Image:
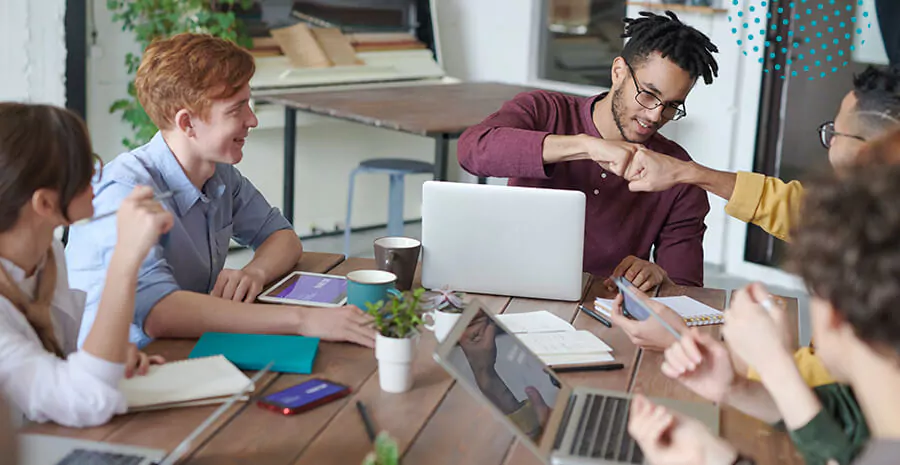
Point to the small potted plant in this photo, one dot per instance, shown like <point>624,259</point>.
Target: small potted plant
<point>386,451</point>
<point>445,307</point>
<point>397,322</point>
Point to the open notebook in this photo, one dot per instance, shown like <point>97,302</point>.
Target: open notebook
<point>555,341</point>
<point>199,381</point>
<point>693,313</point>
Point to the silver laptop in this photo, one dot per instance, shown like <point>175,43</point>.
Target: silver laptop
<point>515,241</point>
<point>39,449</point>
<point>559,423</point>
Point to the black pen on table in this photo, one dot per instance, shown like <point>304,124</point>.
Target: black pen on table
<point>370,430</point>
<point>593,314</point>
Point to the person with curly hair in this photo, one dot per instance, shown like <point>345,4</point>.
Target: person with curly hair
<point>847,250</point>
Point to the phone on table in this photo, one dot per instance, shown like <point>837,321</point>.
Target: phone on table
<point>632,306</point>
<point>304,396</point>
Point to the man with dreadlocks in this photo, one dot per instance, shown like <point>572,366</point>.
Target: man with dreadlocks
<point>552,140</point>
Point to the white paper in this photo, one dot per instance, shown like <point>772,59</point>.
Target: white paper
<point>577,359</point>
<point>687,307</point>
<point>184,381</point>
<point>534,322</point>
<point>604,306</point>
<point>564,343</point>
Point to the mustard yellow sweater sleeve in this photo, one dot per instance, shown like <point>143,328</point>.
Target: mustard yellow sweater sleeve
<point>767,202</point>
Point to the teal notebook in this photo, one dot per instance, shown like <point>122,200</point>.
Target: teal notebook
<point>292,354</point>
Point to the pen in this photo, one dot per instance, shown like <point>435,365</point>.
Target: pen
<point>595,316</point>
<point>370,430</point>
<point>157,197</point>
<point>575,368</point>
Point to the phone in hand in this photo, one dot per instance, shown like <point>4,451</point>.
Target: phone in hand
<point>632,306</point>
<point>304,396</point>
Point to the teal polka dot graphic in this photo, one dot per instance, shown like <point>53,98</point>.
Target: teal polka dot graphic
<point>819,36</point>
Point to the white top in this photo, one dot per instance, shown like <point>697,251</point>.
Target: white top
<point>79,391</point>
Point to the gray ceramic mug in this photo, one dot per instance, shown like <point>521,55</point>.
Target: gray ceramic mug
<point>399,255</point>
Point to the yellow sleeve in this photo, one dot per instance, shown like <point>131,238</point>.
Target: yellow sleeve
<point>526,419</point>
<point>811,369</point>
<point>766,202</point>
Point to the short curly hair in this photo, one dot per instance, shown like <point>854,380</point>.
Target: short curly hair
<point>847,249</point>
<point>190,71</point>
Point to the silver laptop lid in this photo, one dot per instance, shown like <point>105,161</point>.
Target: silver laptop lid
<point>516,241</point>
<point>494,365</point>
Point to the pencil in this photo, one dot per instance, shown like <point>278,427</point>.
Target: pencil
<point>370,430</point>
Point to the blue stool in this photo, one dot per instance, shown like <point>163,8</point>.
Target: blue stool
<point>397,168</point>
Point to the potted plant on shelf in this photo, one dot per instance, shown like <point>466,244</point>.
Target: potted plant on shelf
<point>445,306</point>
<point>386,451</point>
<point>397,321</point>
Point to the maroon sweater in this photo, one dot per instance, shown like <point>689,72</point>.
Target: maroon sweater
<point>618,222</point>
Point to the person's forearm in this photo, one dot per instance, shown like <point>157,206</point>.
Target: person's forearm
<point>795,400</point>
<point>108,337</point>
<point>493,387</point>
<point>184,314</point>
<point>753,399</point>
<point>277,255</point>
<point>558,149</point>
<point>720,183</point>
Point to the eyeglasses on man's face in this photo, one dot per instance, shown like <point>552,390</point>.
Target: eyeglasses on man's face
<point>671,111</point>
<point>827,134</point>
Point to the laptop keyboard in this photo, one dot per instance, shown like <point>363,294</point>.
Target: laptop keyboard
<point>93,457</point>
<point>603,431</point>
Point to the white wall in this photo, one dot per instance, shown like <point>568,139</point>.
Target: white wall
<point>33,53</point>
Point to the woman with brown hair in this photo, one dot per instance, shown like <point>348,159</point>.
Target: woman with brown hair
<point>46,166</point>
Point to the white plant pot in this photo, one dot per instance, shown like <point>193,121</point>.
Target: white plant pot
<point>395,358</point>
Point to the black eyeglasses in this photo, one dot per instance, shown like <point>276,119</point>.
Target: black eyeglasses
<point>649,101</point>
<point>827,133</point>
<point>98,169</point>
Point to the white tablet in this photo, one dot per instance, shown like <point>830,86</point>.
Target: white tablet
<point>313,289</point>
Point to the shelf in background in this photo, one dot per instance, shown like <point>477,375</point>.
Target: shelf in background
<point>679,8</point>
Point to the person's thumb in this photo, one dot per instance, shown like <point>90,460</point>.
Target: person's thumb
<point>540,406</point>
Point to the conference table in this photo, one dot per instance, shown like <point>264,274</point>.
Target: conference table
<point>436,422</point>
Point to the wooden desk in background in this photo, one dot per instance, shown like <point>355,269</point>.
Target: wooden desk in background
<point>438,111</point>
<point>437,422</point>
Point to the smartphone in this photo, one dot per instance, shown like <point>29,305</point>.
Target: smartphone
<point>304,396</point>
<point>632,306</point>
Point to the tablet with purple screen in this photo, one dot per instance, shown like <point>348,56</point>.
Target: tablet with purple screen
<point>313,289</point>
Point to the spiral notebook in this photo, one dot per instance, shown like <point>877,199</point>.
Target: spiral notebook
<point>693,312</point>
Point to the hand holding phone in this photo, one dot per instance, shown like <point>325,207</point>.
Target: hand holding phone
<point>635,308</point>
<point>304,396</point>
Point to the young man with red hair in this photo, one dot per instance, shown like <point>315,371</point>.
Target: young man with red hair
<point>196,89</point>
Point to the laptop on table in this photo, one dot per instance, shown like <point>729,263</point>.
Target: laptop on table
<point>40,449</point>
<point>517,241</point>
<point>561,424</point>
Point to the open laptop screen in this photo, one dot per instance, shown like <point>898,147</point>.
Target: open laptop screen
<point>496,364</point>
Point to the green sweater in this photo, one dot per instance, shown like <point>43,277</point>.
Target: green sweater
<point>838,432</point>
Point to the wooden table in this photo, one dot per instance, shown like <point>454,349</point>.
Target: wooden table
<point>437,422</point>
<point>438,111</point>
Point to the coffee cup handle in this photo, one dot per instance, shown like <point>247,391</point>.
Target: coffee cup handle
<point>429,315</point>
<point>395,292</point>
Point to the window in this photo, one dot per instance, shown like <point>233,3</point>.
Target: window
<point>581,38</point>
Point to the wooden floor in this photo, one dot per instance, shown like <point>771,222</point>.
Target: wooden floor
<point>437,422</point>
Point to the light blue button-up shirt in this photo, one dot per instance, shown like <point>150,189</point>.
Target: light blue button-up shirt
<point>192,254</point>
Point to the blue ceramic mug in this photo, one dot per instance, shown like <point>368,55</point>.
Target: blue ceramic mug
<point>370,286</point>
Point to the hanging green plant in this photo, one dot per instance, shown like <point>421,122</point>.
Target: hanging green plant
<point>153,19</point>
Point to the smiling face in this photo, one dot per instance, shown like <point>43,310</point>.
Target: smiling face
<point>220,137</point>
<point>656,76</point>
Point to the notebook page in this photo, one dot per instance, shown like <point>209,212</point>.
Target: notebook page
<point>186,380</point>
<point>689,308</point>
<point>566,343</point>
<point>534,322</point>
